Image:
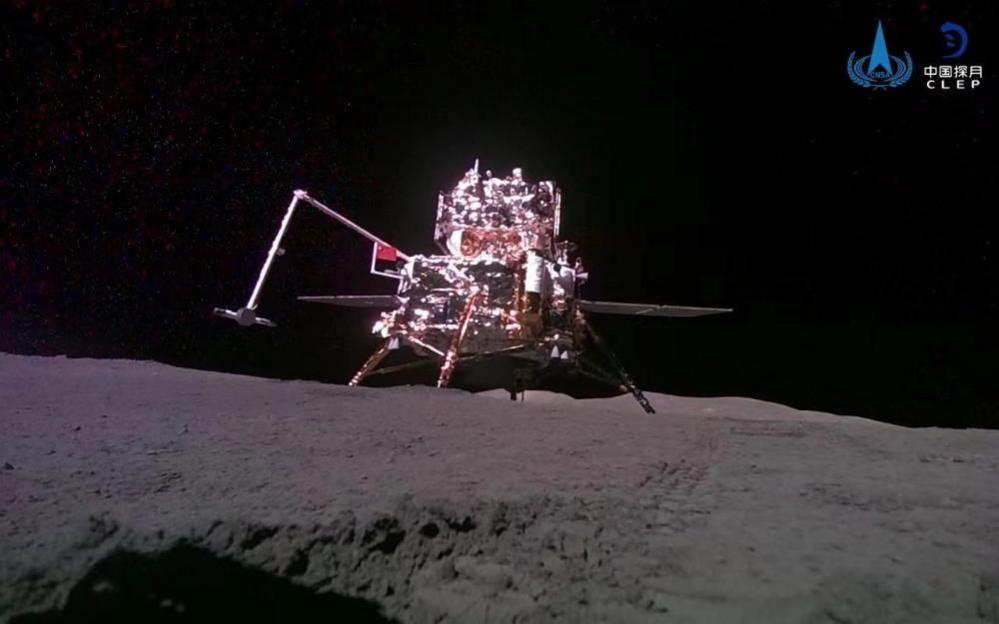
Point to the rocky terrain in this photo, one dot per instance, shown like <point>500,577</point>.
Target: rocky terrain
<point>141,491</point>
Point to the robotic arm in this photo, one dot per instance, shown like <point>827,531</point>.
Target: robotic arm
<point>247,315</point>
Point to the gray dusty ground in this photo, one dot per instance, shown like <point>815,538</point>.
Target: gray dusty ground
<point>444,506</point>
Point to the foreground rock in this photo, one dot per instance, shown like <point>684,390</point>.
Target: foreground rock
<point>138,488</point>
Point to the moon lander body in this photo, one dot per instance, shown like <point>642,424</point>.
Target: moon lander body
<point>500,304</point>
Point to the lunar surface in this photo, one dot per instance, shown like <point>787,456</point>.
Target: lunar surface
<point>139,490</point>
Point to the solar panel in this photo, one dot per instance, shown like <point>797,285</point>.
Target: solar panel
<point>647,309</point>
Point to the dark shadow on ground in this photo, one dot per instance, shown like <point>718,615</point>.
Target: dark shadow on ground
<point>187,584</point>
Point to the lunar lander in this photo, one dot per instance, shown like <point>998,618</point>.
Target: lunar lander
<point>502,297</point>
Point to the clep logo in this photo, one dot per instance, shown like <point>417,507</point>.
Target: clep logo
<point>879,70</point>
<point>953,77</point>
<point>955,39</point>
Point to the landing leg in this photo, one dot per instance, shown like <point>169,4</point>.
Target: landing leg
<point>451,357</point>
<point>522,380</point>
<point>370,364</point>
<point>626,380</point>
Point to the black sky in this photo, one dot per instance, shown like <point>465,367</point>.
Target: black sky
<point>709,154</point>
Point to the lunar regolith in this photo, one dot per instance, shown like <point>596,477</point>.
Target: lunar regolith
<point>141,489</point>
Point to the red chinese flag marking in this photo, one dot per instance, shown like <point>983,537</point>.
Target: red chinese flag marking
<point>384,252</point>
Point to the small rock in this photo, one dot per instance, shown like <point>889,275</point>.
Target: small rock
<point>658,601</point>
<point>488,572</point>
<point>103,586</point>
<point>8,466</point>
<point>434,574</point>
